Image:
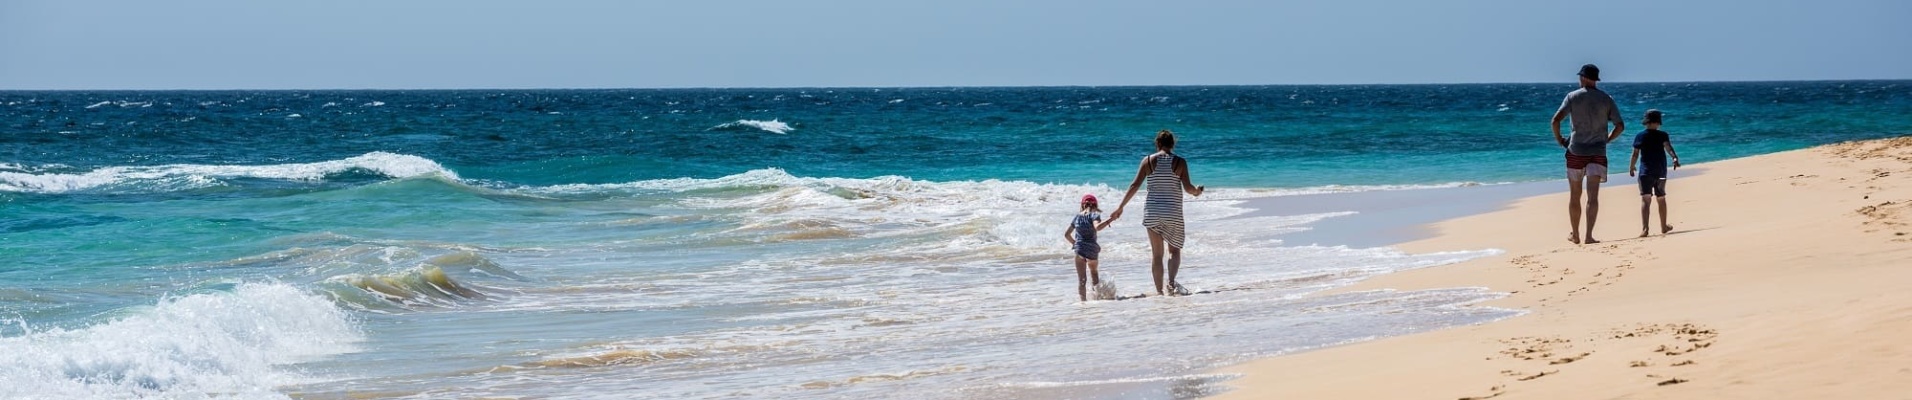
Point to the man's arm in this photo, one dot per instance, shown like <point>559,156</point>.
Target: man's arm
<point>1619,124</point>
<point>1559,116</point>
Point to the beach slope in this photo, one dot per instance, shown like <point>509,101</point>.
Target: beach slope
<point>1788,275</point>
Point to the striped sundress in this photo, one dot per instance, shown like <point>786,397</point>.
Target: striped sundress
<point>1163,213</point>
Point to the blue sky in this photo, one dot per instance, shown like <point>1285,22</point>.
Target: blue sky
<point>747,43</point>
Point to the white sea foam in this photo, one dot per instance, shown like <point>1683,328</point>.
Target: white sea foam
<point>968,279</point>
<point>174,177</point>
<point>202,345</point>
<point>772,126</point>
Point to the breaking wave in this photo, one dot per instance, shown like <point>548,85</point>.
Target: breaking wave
<point>176,177</point>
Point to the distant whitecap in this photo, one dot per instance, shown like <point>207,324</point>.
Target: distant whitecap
<point>772,126</point>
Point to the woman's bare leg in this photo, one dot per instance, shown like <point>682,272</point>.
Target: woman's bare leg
<point>1174,265</point>
<point>1155,263</point>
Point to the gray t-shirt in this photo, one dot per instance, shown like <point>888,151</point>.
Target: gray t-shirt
<point>1591,109</point>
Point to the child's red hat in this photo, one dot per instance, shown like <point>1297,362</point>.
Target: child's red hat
<point>1088,198</point>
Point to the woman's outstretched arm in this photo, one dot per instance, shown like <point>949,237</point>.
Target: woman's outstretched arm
<point>1140,172</point>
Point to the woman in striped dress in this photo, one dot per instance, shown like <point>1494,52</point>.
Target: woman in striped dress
<point>1167,176</point>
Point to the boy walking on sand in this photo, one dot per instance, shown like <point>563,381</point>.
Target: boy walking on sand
<point>1650,149</point>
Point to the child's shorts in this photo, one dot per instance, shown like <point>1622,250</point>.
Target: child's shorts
<point>1088,250</point>
<point>1653,185</point>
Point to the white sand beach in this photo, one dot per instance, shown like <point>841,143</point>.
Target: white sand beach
<point>1786,277</point>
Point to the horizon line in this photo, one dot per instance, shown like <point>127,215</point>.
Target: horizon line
<point>1562,82</point>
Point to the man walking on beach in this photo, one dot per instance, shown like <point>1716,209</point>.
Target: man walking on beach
<point>1591,110</point>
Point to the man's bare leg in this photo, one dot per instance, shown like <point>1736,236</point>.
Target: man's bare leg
<point>1573,208</point>
<point>1593,207</point>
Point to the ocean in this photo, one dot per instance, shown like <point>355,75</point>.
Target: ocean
<point>772,243</point>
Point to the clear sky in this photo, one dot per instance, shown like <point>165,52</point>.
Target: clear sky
<point>399,44</point>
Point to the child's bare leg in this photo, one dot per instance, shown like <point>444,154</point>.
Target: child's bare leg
<point>1664,228</point>
<point>1646,207</point>
<point>1095,276</point>
<point>1082,278</point>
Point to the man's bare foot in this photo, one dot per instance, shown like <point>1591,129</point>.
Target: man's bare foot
<point>1666,229</point>
<point>1573,237</point>
<point>1590,240</point>
<point>1643,233</point>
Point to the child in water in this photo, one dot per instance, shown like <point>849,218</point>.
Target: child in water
<point>1081,235</point>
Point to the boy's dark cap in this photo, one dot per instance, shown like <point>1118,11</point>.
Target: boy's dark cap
<point>1590,72</point>
<point>1652,116</point>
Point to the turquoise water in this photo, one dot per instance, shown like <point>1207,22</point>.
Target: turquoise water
<point>768,242</point>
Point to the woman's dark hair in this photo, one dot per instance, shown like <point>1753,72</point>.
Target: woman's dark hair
<point>1165,140</point>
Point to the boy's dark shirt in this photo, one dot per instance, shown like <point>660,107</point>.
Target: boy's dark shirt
<point>1652,146</point>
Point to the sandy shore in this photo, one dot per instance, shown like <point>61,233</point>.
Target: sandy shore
<point>1788,275</point>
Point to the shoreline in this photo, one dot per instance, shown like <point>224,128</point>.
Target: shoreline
<point>1732,304</point>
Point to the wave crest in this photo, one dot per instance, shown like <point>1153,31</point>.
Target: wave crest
<point>176,177</point>
<point>425,285</point>
<point>772,126</point>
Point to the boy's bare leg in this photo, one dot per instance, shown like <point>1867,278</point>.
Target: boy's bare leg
<point>1593,207</point>
<point>1573,208</point>
<point>1082,278</point>
<point>1646,207</point>
<point>1664,228</point>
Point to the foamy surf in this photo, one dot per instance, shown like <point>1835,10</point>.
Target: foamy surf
<point>917,275</point>
<point>237,343</point>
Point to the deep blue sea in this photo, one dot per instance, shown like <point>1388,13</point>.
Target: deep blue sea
<point>777,243</point>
